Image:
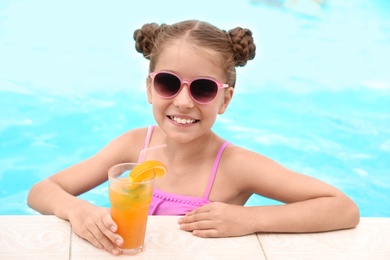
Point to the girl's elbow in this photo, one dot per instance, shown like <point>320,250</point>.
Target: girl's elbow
<point>353,214</point>
<point>31,196</point>
<point>35,196</point>
<point>356,216</point>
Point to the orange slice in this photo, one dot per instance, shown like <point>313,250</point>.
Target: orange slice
<point>147,170</point>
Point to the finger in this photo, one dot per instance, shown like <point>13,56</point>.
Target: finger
<point>113,237</point>
<point>106,238</point>
<point>87,235</point>
<point>202,209</point>
<point>194,218</point>
<point>96,237</point>
<point>197,225</point>
<point>109,227</point>
<point>200,213</point>
<point>208,233</point>
<point>109,222</point>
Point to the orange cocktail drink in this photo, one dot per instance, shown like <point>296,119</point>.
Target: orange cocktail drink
<point>130,201</point>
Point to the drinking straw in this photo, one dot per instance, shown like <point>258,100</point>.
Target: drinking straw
<point>142,154</point>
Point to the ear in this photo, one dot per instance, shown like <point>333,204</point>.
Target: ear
<point>228,95</point>
<point>149,90</point>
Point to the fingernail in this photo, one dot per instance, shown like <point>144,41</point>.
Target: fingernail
<point>119,242</point>
<point>115,251</point>
<point>113,228</point>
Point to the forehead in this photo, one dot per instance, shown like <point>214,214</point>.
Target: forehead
<point>189,60</point>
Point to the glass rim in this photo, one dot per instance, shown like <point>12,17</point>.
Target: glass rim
<point>121,172</point>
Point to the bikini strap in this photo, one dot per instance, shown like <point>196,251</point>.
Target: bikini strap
<point>148,137</point>
<point>214,170</point>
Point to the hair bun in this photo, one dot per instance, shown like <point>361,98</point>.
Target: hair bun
<point>242,44</point>
<point>145,38</point>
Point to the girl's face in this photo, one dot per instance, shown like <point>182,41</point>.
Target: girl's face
<point>180,117</point>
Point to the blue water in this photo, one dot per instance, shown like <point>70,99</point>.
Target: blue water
<point>316,98</point>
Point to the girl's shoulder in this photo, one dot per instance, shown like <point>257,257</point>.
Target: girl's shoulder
<point>236,154</point>
<point>139,132</point>
<point>242,161</point>
<point>136,135</point>
<point>240,170</point>
<point>126,146</point>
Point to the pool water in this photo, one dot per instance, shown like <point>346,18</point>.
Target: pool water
<point>316,98</point>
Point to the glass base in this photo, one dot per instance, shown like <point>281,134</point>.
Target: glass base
<point>132,251</point>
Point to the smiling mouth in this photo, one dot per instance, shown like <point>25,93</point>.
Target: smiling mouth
<point>183,121</point>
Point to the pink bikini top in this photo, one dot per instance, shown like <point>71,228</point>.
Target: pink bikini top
<point>164,203</point>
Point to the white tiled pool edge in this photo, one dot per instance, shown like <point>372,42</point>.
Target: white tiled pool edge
<point>48,237</point>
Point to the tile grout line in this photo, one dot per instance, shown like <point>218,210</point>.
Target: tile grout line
<point>70,241</point>
<point>261,245</point>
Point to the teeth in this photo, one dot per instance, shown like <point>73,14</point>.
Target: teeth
<point>182,120</point>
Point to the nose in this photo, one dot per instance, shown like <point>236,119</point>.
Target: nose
<point>183,99</point>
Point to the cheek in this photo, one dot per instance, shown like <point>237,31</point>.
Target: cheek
<point>158,106</point>
<point>211,113</point>
<point>158,116</point>
<point>149,94</point>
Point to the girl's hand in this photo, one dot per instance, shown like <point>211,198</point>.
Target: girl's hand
<point>95,225</point>
<point>217,220</point>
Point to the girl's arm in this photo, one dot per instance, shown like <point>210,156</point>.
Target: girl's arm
<point>310,204</point>
<point>58,193</point>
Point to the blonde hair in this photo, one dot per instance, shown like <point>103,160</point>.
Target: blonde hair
<point>233,48</point>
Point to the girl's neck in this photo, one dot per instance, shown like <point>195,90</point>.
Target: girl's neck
<point>190,151</point>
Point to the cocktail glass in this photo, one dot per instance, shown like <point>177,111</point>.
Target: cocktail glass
<point>130,203</point>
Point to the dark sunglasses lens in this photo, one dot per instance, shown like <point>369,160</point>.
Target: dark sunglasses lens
<point>204,90</point>
<point>166,85</point>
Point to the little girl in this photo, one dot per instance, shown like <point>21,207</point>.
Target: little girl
<point>191,81</point>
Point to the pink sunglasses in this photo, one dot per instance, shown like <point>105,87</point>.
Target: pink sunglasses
<point>202,90</point>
